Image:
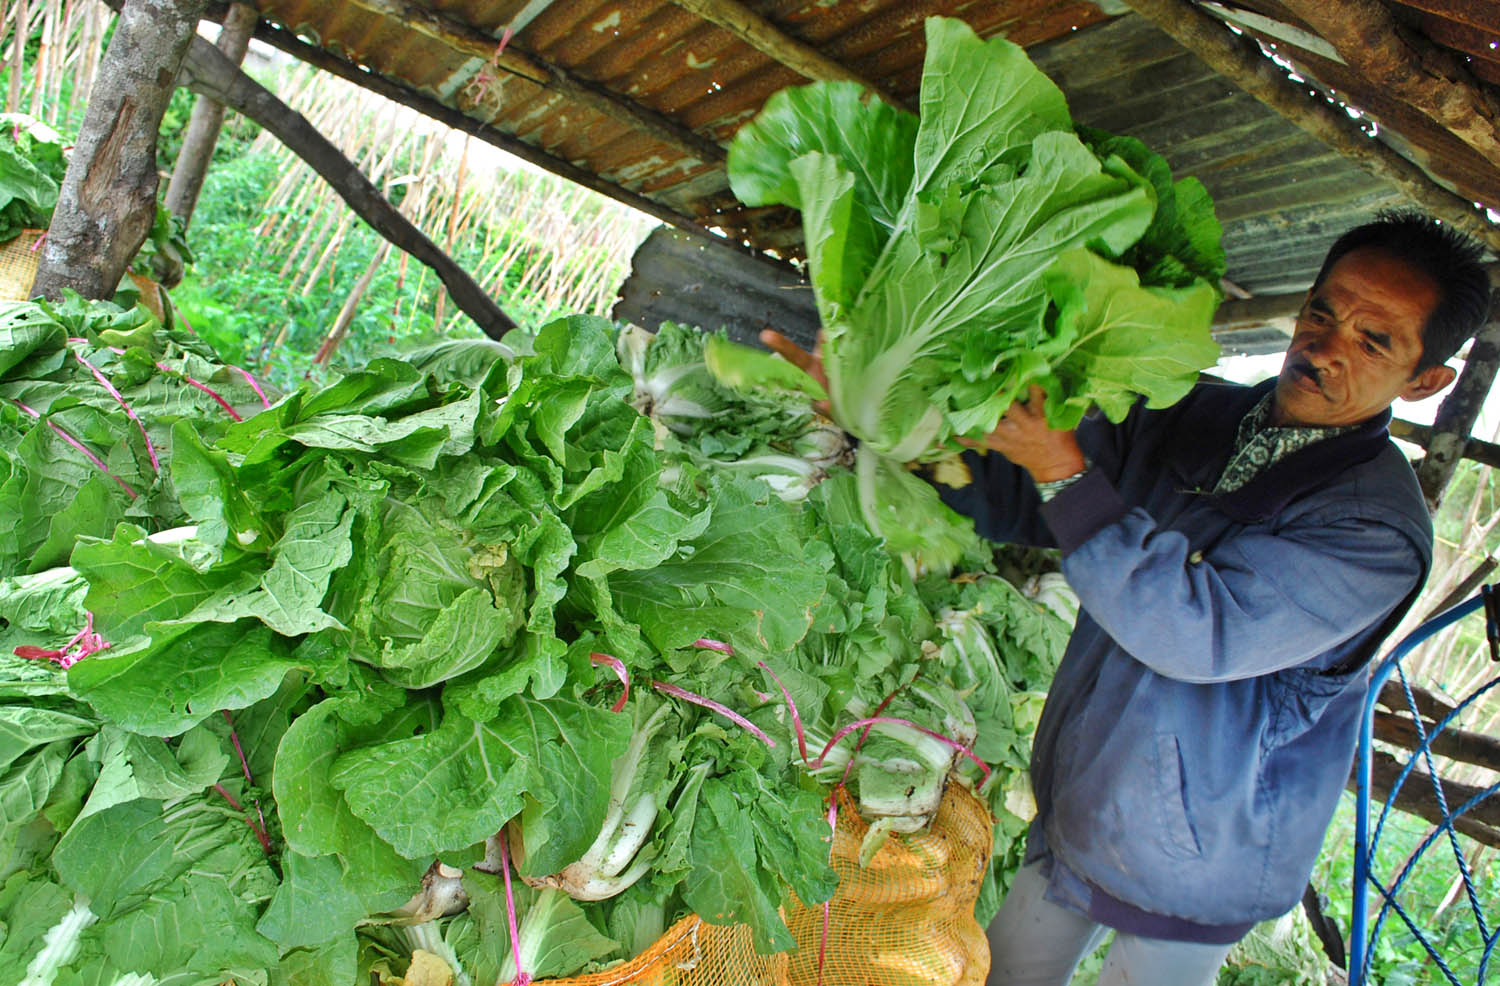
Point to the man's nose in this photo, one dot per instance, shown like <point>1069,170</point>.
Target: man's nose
<point>1324,350</point>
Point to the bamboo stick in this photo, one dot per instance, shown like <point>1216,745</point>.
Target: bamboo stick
<point>412,205</point>
<point>18,55</point>
<point>43,66</point>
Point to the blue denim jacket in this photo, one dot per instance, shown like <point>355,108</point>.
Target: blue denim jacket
<point>1202,722</point>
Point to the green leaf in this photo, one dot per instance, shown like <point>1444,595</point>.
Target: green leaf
<point>312,907</point>
<point>288,597</point>
<point>454,787</point>
<point>164,688</point>
<point>726,885</point>
<point>866,136</point>
<point>317,821</point>
<point>1124,339</point>
<point>752,578</point>
<point>23,728</point>
<point>138,857</point>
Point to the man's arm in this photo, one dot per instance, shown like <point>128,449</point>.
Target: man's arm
<point>1252,604</point>
<point>1249,605</point>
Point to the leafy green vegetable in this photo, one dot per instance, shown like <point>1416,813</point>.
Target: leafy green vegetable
<point>963,256</point>
<point>31,173</point>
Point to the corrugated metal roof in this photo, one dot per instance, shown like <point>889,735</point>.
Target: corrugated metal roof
<point>1281,193</point>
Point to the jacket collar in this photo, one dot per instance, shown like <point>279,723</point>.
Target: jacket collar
<point>1204,438</point>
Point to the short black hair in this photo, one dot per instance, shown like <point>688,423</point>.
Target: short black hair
<point>1450,258</point>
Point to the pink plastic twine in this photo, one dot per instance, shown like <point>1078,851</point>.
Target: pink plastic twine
<point>264,401</point>
<point>129,411</point>
<point>708,703</point>
<point>849,767</point>
<point>234,738</point>
<point>522,978</point>
<point>98,462</point>
<point>84,643</point>
<point>892,721</point>
<point>618,667</point>
<point>228,408</point>
<point>259,830</point>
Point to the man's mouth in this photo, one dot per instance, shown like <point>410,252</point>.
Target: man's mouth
<point>1305,377</point>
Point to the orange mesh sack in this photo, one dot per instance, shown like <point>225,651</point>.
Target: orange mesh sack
<point>906,919</point>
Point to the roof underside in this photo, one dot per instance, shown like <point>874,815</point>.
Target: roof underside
<point>644,95</point>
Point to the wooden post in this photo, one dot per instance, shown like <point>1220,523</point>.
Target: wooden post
<point>108,198</point>
<point>208,117</point>
<point>1457,414</point>
<point>214,76</point>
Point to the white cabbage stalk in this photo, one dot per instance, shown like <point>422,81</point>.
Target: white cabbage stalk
<point>59,946</point>
<point>614,861</point>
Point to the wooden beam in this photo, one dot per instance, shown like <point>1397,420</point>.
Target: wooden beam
<point>1455,744</point>
<point>398,92</point>
<point>471,41</point>
<point>759,33</point>
<point>1407,67</point>
<point>1416,797</point>
<point>1240,60</point>
<point>211,74</point>
<point>1482,452</point>
<point>1455,418</point>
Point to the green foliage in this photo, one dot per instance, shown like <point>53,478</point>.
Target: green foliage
<point>960,258</point>
<point>32,166</point>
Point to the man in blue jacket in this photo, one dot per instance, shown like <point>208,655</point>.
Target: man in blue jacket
<point>1238,558</point>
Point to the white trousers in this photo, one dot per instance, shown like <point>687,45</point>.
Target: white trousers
<point>1034,942</point>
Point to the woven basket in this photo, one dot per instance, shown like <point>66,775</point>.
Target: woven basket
<point>19,260</point>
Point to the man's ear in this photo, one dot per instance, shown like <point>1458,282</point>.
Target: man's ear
<point>1427,382</point>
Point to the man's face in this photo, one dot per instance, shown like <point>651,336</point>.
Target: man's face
<point>1357,342</point>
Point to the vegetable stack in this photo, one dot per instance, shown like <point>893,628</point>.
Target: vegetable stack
<point>324,677</point>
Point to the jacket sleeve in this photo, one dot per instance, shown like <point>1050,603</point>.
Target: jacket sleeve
<point>1002,500</point>
<point>1252,604</point>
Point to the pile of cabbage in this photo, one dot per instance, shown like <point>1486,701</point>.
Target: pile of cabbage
<point>291,682</point>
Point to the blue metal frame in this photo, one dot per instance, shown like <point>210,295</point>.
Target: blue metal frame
<point>1361,937</point>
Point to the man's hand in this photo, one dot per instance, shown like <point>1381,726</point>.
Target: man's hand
<point>1022,436</point>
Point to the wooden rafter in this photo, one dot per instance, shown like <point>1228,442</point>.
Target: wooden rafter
<point>211,74</point>
<point>1241,61</point>
<point>471,41</point>
<point>398,92</point>
<point>1429,78</point>
<point>771,40</point>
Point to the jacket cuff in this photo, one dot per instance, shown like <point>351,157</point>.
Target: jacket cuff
<point>1082,510</point>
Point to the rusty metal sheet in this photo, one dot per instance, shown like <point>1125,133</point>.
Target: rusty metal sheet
<point>1281,195</point>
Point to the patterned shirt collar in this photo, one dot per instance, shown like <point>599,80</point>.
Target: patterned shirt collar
<point>1260,444</point>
